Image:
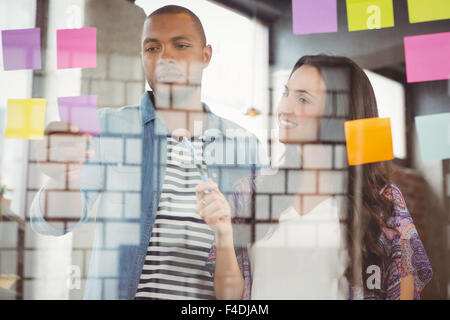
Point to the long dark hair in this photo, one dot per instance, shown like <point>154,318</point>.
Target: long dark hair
<point>367,209</point>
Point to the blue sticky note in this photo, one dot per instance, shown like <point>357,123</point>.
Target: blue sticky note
<point>434,136</point>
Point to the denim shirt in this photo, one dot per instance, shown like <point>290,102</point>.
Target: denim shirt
<point>123,182</point>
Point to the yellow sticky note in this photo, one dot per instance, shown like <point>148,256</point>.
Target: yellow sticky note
<point>25,118</point>
<point>428,10</point>
<point>368,140</point>
<point>369,14</point>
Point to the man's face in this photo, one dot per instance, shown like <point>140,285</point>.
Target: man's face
<point>173,51</point>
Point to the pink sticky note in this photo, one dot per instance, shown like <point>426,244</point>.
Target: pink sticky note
<point>80,111</point>
<point>314,16</point>
<point>77,48</point>
<point>427,57</point>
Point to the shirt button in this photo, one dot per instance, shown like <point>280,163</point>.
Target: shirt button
<point>155,197</point>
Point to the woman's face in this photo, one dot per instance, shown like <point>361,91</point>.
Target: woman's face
<point>301,106</point>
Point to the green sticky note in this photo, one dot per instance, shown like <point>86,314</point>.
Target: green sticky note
<point>369,14</point>
<point>428,10</point>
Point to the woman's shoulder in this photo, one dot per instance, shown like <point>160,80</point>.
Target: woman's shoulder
<point>393,193</point>
<point>401,218</point>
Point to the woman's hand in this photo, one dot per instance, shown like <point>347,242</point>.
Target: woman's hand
<point>214,209</point>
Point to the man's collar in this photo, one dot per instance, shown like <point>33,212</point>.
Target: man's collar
<point>148,112</point>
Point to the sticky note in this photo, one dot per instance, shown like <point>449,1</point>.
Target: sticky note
<point>80,111</point>
<point>314,16</point>
<point>21,49</point>
<point>428,10</point>
<point>369,14</point>
<point>368,140</point>
<point>433,132</point>
<point>76,48</point>
<point>25,118</point>
<point>427,57</point>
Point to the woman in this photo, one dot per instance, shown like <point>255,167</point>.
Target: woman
<point>377,229</point>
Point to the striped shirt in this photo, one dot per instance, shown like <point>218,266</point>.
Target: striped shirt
<point>175,264</point>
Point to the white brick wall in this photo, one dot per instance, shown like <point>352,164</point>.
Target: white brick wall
<point>32,156</point>
<point>64,204</point>
<point>133,151</point>
<point>110,263</point>
<point>332,130</point>
<point>36,179</point>
<point>83,237</point>
<point>45,289</point>
<point>242,234</point>
<point>100,72</point>
<point>112,204</point>
<point>110,93</point>
<point>302,182</point>
<point>272,184</point>
<point>8,262</point>
<point>125,67</point>
<point>317,156</point>
<point>112,149</point>
<point>111,289</point>
<point>292,157</point>
<point>342,104</point>
<point>262,209</point>
<point>122,233</point>
<point>124,178</point>
<point>332,181</point>
<point>89,172</point>
<point>309,202</point>
<point>35,240</point>
<point>47,263</point>
<point>30,197</point>
<point>8,234</point>
<point>134,92</point>
<point>261,230</point>
<point>340,157</point>
<point>94,144</point>
<point>281,203</point>
<point>133,205</point>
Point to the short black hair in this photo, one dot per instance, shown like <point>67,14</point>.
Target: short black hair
<point>173,9</point>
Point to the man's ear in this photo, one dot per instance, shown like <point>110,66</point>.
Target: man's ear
<point>207,54</point>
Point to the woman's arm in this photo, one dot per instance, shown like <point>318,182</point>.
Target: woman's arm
<point>407,288</point>
<point>215,210</point>
<point>228,280</point>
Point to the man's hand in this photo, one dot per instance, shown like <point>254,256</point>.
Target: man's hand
<point>214,210</point>
<point>62,151</point>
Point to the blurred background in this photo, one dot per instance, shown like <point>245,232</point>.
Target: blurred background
<point>254,50</point>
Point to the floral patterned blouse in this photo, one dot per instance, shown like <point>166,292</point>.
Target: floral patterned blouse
<point>405,249</point>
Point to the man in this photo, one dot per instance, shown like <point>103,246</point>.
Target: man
<point>156,155</point>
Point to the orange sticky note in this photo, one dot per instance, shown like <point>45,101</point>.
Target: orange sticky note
<point>25,119</point>
<point>368,140</point>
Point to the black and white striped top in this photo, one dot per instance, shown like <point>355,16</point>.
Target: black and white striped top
<point>180,243</point>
